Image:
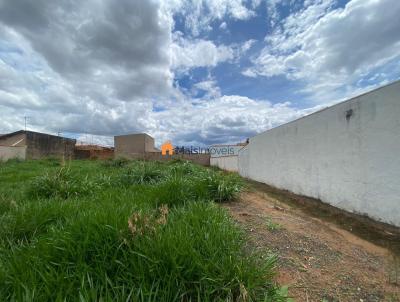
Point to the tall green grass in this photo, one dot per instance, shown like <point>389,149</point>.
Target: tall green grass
<point>85,233</point>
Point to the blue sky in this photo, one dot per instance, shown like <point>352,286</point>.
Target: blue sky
<point>195,72</point>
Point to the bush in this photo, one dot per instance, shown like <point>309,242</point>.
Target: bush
<point>174,191</point>
<point>217,186</point>
<point>183,168</point>
<point>190,253</point>
<point>115,163</point>
<point>157,238</point>
<point>6,205</point>
<point>61,184</point>
<point>198,255</point>
<point>142,173</point>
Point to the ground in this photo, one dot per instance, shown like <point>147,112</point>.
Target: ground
<point>318,258</point>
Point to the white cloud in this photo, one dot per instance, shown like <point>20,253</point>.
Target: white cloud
<point>199,14</point>
<point>91,67</point>
<point>106,69</point>
<point>113,92</point>
<point>223,119</point>
<point>334,47</point>
<point>186,54</point>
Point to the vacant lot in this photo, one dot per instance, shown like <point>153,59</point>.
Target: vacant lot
<point>324,253</point>
<point>125,231</point>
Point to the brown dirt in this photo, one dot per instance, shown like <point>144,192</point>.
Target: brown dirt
<point>318,258</point>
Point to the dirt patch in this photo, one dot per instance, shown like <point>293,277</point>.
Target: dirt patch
<point>318,259</point>
<point>379,233</point>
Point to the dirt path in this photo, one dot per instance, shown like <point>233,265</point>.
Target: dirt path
<point>319,260</point>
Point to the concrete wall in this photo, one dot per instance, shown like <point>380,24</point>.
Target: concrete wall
<point>149,144</point>
<point>347,155</point>
<point>7,153</point>
<point>126,145</point>
<point>225,156</point>
<point>14,141</point>
<point>40,145</point>
<point>228,163</point>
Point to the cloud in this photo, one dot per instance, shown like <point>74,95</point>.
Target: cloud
<point>336,46</point>
<point>83,67</point>
<point>209,86</point>
<point>223,119</point>
<point>97,42</point>
<point>105,69</point>
<point>101,69</point>
<point>199,14</point>
<point>192,53</point>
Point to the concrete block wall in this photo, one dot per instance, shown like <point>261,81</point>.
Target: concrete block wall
<point>7,153</point>
<point>347,155</point>
<point>41,145</point>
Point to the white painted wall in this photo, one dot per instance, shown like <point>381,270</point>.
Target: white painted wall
<point>228,163</point>
<point>352,163</point>
<point>7,153</point>
<point>224,150</point>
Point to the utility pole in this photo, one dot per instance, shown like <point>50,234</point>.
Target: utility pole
<point>25,118</point>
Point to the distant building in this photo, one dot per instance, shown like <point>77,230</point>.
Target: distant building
<point>134,144</point>
<point>34,145</point>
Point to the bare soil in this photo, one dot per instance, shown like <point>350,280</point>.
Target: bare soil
<point>325,254</point>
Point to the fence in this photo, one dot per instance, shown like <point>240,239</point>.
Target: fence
<point>347,155</point>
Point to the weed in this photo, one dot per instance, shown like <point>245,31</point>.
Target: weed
<point>115,163</point>
<point>174,191</point>
<point>273,226</point>
<point>221,187</point>
<point>145,232</point>
<point>183,168</point>
<point>6,205</point>
<point>394,269</point>
<point>144,223</point>
<point>60,184</point>
<point>142,173</point>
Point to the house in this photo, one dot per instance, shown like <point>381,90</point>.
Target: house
<point>34,145</point>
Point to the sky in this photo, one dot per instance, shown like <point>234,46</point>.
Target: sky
<point>194,72</point>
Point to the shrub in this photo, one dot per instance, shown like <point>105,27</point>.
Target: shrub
<point>218,186</point>
<point>183,168</point>
<point>60,184</point>
<point>157,240</point>
<point>53,161</point>
<point>189,253</point>
<point>174,191</point>
<point>115,163</point>
<point>142,173</point>
<point>199,255</point>
<point>6,205</point>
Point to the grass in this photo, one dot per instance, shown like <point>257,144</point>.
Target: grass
<point>126,231</point>
<point>273,226</point>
